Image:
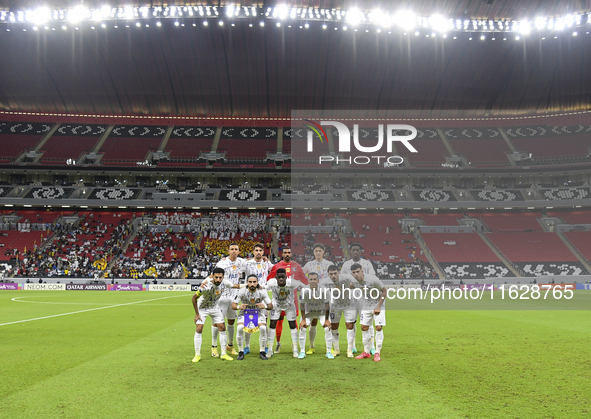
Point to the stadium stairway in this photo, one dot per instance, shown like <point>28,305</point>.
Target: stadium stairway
<point>135,225</point>
<point>428,254</point>
<point>500,255</point>
<point>165,139</point>
<point>102,140</point>
<point>275,244</point>
<point>53,235</point>
<point>344,245</point>
<point>449,147</point>
<point>280,140</point>
<point>216,139</point>
<point>46,138</point>
<point>196,240</point>
<point>574,251</point>
<point>510,145</point>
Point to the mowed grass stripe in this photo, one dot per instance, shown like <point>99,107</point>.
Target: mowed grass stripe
<point>15,311</point>
<point>489,366</point>
<point>153,377</point>
<point>38,350</point>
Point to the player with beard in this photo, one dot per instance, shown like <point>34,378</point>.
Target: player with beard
<point>206,303</point>
<point>294,271</point>
<point>260,266</point>
<point>252,298</point>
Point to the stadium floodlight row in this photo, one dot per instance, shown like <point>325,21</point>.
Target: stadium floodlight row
<point>382,19</point>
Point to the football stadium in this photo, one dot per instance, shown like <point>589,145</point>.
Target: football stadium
<point>325,209</point>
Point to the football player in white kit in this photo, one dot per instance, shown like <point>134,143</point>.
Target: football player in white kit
<point>260,266</point>
<point>206,303</point>
<point>341,304</point>
<point>282,291</point>
<point>233,266</point>
<point>252,297</point>
<point>355,250</point>
<point>319,264</point>
<point>314,306</point>
<point>372,299</point>
<point>367,267</point>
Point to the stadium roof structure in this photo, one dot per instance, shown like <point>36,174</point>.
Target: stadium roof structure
<point>265,60</point>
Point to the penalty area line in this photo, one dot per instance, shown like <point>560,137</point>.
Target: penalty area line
<point>91,309</point>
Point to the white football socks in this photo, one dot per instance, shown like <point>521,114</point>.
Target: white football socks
<point>240,337</point>
<point>350,339</point>
<point>379,340</point>
<point>335,340</point>
<point>303,339</point>
<point>223,342</point>
<point>247,340</point>
<point>328,338</point>
<point>262,338</point>
<point>230,335</point>
<point>366,338</point>
<point>270,338</point>
<point>198,338</point>
<point>312,336</point>
<point>294,339</point>
<point>372,342</point>
<point>214,336</point>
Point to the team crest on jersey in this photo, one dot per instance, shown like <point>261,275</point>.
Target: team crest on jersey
<point>282,293</point>
<point>258,266</point>
<point>252,301</point>
<point>234,267</point>
<point>217,293</point>
<point>288,269</point>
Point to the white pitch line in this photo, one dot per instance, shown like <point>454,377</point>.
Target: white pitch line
<point>91,309</point>
<point>16,299</point>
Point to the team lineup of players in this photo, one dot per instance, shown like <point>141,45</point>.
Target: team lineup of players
<point>222,298</point>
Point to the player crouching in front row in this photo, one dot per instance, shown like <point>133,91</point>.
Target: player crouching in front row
<point>205,302</point>
<point>373,296</point>
<point>314,306</point>
<point>253,304</point>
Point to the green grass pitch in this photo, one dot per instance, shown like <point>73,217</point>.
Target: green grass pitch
<point>128,354</point>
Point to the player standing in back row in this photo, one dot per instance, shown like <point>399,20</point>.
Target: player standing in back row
<point>319,264</point>
<point>293,271</point>
<point>233,267</point>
